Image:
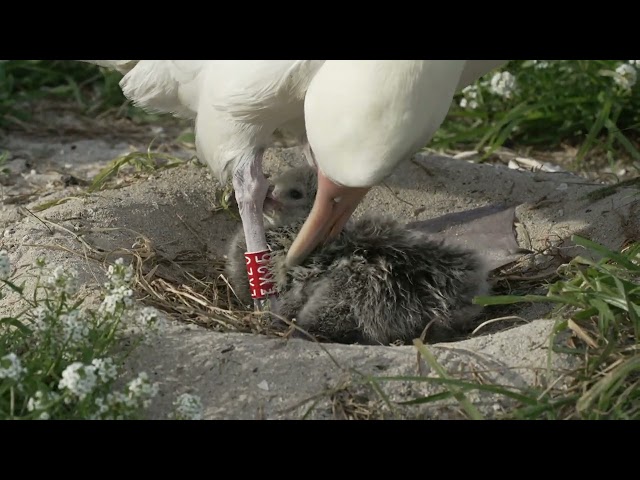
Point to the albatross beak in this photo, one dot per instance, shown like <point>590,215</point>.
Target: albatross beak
<point>332,208</point>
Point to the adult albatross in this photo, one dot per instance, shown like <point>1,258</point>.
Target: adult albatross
<point>352,107</point>
<point>362,119</point>
<point>237,106</point>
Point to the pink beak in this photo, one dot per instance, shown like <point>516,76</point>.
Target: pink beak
<point>331,210</point>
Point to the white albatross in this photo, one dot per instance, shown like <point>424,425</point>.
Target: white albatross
<point>237,105</point>
<point>365,117</point>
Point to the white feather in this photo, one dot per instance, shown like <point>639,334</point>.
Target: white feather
<point>237,104</point>
<point>364,117</point>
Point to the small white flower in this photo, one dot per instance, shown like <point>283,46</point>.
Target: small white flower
<point>470,91</point>
<point>118,399</point>
<point>120,274</point>
<point>503,84</point>
<point>70,329</point>
<point>74,330</point>
<point>103,407</point>
<point>35,403</point>
<point>40,400</point>
<point>120,296</point>
<point>105,369</point>
<point>11,367</point>
<point>625,76</point>
<point>79,379</point>
<point>62,281</point>
<point>470,97</point>
<point>142,390</point>
<point>148,316</point>
<point>188,407</point>
<point>634,62</point>
<point>472,104</point>
<point>5,265</point>
<point>541,64</point>
<point>44,416</point>
<point>39,319</point>
<point>150,322</point>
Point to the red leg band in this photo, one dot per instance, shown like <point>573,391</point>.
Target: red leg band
<point>261,282</point>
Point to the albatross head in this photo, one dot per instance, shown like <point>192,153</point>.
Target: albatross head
<point>363,118</point>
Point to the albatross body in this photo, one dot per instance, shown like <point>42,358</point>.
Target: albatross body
<point>237,106</point>
<point>362,117</point>
<point>378,282</point>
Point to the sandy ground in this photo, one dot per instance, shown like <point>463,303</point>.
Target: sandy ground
<point>243,375</point>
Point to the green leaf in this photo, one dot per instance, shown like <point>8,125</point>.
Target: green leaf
<point>14,322</point>
<point>605,252</point>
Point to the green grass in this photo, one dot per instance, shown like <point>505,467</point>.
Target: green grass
<point>140,162</point>
<point>92,89</point>
<point>574,102</point>
<point>60,359</point>
<point>577,103</point>
<point>598,303</point>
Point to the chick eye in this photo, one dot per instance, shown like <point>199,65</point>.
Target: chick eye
<point>295,194</point>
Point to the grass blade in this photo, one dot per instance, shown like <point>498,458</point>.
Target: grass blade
<point>596,128</point>
<point>605,252</point>
<point>468,407</point>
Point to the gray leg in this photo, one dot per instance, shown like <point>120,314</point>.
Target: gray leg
<point>251,186</point>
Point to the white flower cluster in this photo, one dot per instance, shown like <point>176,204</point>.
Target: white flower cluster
<point>39,316</point>
<point>59,324</point>
<point>119,289</point>
<point>5,265</point>
<point>138,394</point>
<point>470,99</point>
<point>625,76</point>
<point>61,281</point>
<point>541,64</point>
<point>105,369</point>
<point>148,321</point>
<point>119,274</point>
<point>11,367</point>
<point>141,389</point>
<point>71,329</point>
<point>75,329</point>
<point>188,407</point>
<point>79,379</point>
<point>503,84</point>
<point>41,401</point>
<point>120,296</point>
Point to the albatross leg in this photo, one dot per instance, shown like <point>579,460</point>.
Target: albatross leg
<point>251,187</point>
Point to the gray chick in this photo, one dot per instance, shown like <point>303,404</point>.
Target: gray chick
<point>379,282</point>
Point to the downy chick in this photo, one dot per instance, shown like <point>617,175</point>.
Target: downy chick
<point>379,282</point>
